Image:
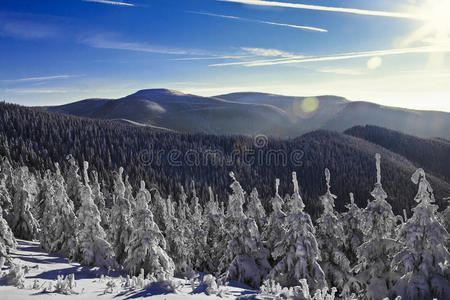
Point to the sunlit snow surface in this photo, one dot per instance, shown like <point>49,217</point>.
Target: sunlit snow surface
<point>46,267</point>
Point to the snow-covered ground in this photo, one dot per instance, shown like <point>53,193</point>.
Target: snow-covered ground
<point>45,268</point>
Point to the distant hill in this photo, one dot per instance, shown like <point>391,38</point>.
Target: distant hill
<point>432,154</point>
<point>38,139</point>
<point>256,113</point>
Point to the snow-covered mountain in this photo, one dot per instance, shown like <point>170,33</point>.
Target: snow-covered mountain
<point>256,113</point>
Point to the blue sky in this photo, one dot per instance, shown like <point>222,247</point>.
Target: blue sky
<point>390,52</point>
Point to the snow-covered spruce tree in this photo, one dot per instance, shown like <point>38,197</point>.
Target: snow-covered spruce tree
<point>23,223</point>
<point>273,230</point>
<point>129,193</point>
<point>99,200</point>
<point>5,197</point>
<point>331,239</point>
<point>255,210</point>
<point>7,241</point>
<point>74,182</point>
<point>196,221</point>
<point>352,222</point>
<point>65,219</point>
<point>146,249</point>
<point>93,247</point>
<point>121,227</point>
<point>423,258</point>
<point>373,269</point>
<point>245,255</point>
<point>296,249</point>
<point>446,221</point>
<point>214,228</point>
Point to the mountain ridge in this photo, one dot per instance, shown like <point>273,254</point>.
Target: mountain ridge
<point>252,113</point>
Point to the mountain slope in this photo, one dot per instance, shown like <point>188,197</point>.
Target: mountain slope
<point>164,159</point>
<point>432,154</point>
<point>256,113</point>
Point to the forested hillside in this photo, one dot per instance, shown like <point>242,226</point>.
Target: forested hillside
<point>432,154</point>
<point>37,139</point>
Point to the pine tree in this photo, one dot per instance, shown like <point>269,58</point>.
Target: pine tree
<point>352,221</point>
<point>215,232</point>
<point>5,197</point>
<point>94,249</point>
<point>7,241</point>
<point>296,249</point>
<point>23,223</point>
<point>375,254</point>
<point>146,249</point>
<point>423,257</point>
<point>277,218</point>
<point>121,225</point>
<point>245,252</point>
<point>331,239</point>
<point>99,200</point>
<point>255,210</point>
<point>74,184</point>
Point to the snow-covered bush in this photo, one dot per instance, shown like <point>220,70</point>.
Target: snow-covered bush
<point>423,256</point>
<point>146,249</point>
<point>65,285</point>
<point>15,276</point>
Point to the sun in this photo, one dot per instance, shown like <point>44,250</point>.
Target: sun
<point>436,14</point>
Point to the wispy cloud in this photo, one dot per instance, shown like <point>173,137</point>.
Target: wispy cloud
<point>107,42</point>
<point>27,30</point>
<point>341,71</point>
<point>260,21</point>
<point>35,79</point>
<point>36,91</point>
<point>270,52</point>
<point>119,3</point>
<point>343,56</point>
<point>328,8</point>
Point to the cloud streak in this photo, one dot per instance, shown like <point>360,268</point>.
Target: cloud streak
<point>344,56</point>
<point>105,42</point>
<point>118,3</point>
<point>328,8</point>
<point>260,21</point>
<point>35,79</point>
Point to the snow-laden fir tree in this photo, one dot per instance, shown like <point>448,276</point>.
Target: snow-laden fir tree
<point>373,269</point>
<point>196,221</point>
<point>7,241</point>
<point>445,217</point>
<point>177,243</point>
<point>255,210</point>
<point>423,257</point>
<point>331,239</point>
<point>74,183</point>
<point>296,249</point>
<point>121,227</point>
<point>146,249</point>
<point>23,223</point>
<point>5,197</point>
<point>158,208</point>
<point>94,249</point>
<point>65,218</point>
<point>129,192</point>
<point>352,221</point>
<point>248,259</point>
<point>214,229</point>
<point>99,200</point>
<point>273,230</point>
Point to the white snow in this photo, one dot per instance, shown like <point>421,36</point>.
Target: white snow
<point>46,267</point>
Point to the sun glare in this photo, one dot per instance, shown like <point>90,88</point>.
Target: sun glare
<point>436,14</point>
